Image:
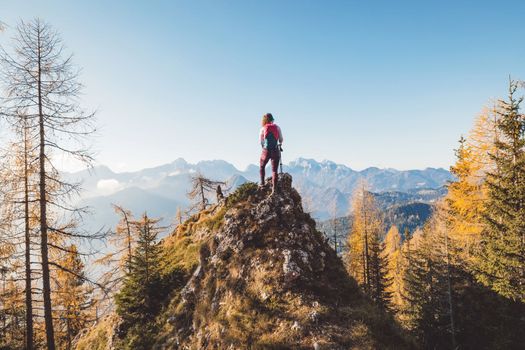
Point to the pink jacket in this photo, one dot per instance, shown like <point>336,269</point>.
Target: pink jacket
<point>273,128</point>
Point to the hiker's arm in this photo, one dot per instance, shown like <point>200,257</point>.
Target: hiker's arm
<point>261,137</point>
<point>280,135</point>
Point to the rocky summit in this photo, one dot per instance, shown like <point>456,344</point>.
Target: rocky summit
<point>258,275</point>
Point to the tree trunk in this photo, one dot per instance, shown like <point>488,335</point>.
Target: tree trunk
<point>202,195</point>
<point>128,232</point>
<point>366,253</point>
<point>450,305</point>
<point>146,233</point>
<point>69,332</point>
<point>4,316</point>
<point>46,288</point>
<point>28,296</point>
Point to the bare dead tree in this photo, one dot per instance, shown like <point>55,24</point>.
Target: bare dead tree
<point>27,152</point>
<point>41,80</point>
<point>200,188</point>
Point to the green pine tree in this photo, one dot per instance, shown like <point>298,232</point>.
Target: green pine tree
<point>141,295</point>
<point>501,265</point>
<point>426,304</point>
<point>379,282</point>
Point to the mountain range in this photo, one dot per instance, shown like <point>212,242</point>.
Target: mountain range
<point>162,190</point>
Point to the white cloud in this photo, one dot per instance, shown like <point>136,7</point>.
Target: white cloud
<point>108,186</point>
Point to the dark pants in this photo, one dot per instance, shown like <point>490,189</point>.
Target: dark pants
<point>266,155</point>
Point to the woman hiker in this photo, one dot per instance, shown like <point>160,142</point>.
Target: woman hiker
<point>271,139</point>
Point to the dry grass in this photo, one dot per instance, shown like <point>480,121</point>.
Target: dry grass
<point>98,337</point>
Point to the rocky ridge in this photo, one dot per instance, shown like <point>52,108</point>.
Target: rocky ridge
<point>260,276</point>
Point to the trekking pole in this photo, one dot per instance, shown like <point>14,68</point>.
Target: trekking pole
<point>281,157</point>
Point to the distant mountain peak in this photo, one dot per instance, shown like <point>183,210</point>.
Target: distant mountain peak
<point>321,182</point>
<point>179,161</point>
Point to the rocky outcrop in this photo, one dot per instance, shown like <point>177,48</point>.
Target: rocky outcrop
<point>268,279</point>
<point>260,276</point>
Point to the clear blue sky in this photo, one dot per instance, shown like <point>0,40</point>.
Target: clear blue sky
<point>364,83</point>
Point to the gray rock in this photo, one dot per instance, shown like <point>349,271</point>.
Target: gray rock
<point>291,270</point>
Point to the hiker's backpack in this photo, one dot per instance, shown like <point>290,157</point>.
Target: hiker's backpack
<point>270,136</point>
